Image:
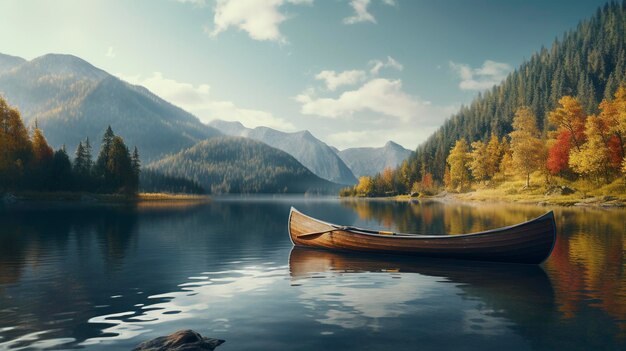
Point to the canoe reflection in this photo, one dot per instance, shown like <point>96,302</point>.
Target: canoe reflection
<point>519,293</point>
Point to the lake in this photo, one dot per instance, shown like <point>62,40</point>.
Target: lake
<point>110,277</point>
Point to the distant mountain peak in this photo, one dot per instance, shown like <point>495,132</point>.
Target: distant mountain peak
<point>9,62</point>
<point>391,144</point>
<point>67,64</point>
<point>367,161</point>
<point>304,146</point>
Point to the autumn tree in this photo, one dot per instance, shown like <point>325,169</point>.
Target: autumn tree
<point>447,181</point>
<point>478,162</point>
<point>613,116</point>
<point>592,159</point>
<point>15,146</point>
<point>570,116</point>
<point>41,164</point>
<point>458,160</point>
<point>526,147</point>
<point>493,152</point>
<point>559,153</point>
<point>364,187</point>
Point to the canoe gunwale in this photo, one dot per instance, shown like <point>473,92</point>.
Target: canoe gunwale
<point>399,236</point>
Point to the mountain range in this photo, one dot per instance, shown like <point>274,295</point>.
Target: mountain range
<point>368,161</point>
<point>243,165</point>
<point>310,151</point>
<point>70,99</point>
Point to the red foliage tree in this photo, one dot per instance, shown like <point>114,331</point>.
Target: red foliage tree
<point>558,155</point>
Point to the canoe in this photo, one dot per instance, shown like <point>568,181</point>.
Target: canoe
<point>529,242</point>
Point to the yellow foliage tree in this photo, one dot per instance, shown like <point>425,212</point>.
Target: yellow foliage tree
<point>364,187</point>
<point>494,155</point>
<point>526,147</point>
<point>15,146</point>
<point>42,152</point>
<point>479,161</point>
<point>458,160</point>
<point>592,159</point>
<point>570,116</point>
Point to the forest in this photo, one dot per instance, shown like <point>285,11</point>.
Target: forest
<point>28,163</point>
<point>580,146</point>
<point>581,70</point>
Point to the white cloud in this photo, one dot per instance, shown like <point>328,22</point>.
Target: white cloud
<point>199,101</point>
<point>361,13</point>
<point>385,111</point>
<point>110,53</point>
<point>485,77</point>
<point>259,18</point>
<point>334,80</point>
<point>377,65</point>
<point>377,95</point>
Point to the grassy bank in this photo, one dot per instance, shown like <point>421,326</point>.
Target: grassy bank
<point>559,192</point>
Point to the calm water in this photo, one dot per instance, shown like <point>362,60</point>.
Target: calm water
<point>108,278</point>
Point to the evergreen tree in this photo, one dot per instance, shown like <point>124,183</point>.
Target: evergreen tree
<point>61,171</point>
<point>101,168</point>
<point>119,167</point>
<point>135,164</point>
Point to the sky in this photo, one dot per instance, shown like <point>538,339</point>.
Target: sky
<point>353,72</point>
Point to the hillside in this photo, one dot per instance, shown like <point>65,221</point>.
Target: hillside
<point>242,165</point>
<point>71,100</point>
<point>367,161</point>
<point>303,146</point>
<point>588,63</point>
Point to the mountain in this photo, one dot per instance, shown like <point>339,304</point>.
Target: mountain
<point>310,151</point>
<point>367,161</point>
<point>71,99</point>
<point>588,63</point>
<point>8,62</point>
<point>242,165</point>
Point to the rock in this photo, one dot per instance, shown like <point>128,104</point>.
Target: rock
<point>559,190</point>
<point>182,340</point>
<point>415,194</point>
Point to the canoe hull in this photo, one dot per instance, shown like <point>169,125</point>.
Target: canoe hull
<point>529,242</point>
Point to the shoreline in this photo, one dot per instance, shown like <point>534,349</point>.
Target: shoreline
<point>91,198</point>
<point>481,197</point>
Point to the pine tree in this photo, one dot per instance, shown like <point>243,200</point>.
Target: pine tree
<point>119,167</point>
<point>61,172</point>
<point>135,164</point>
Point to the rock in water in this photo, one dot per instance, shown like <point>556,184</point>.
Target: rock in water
<point>182,340</point>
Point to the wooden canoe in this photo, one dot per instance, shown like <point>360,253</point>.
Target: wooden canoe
<point>529,242</point>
